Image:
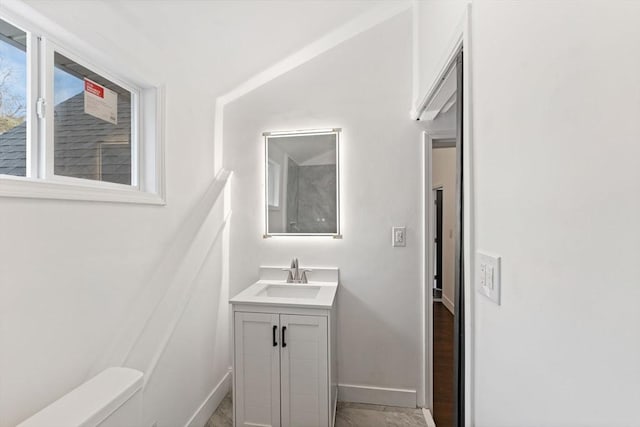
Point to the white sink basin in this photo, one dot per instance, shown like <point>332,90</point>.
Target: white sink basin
<point>289,291</point>
<point>267,291</point>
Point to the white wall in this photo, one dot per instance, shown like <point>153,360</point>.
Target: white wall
<point>556,99</point>
<point>444,175</point>
<point>364,87</point>
<point>434,24</point>
<point>556,107</point>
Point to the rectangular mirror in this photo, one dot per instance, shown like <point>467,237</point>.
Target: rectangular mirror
<point>302,183</point>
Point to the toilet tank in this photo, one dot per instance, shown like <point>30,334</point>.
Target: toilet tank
<point>113,398</point>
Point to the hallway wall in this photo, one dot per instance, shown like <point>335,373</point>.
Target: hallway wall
<point>571,90</point>
<point>444,174</point>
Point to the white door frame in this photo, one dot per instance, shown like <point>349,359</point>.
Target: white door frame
<point>462,40</point>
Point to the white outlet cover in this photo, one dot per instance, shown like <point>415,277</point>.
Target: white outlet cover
<point>488,276</point>
<point>398,236</point>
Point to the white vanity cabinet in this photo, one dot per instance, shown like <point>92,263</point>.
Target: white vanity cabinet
<point>256,369</point>
<point>284,365</point>
<point>281,370</point>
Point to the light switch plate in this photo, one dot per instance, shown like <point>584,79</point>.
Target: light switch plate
<point>488,276</point>
<point>398,236</point>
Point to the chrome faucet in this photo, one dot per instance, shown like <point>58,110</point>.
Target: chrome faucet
<point>296,275</point>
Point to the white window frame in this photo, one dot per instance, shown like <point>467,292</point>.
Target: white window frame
<point>47,73</point>
<point>147,120</point>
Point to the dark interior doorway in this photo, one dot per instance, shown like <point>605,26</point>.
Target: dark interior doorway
<point>438,243</point>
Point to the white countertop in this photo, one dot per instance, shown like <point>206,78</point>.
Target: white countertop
<point>257,294</point>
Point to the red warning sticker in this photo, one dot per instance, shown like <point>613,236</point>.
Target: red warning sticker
<point>93,88</point>
<point>100,102</point>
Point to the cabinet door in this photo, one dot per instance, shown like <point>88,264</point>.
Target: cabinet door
<point>257,369</point>
<point>304,371</point>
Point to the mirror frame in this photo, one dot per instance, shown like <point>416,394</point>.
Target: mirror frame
<point>275,134</point>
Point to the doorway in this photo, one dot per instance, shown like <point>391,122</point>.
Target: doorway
<point>442,308</point>
<point>444,249</point>
<point>437,244</point>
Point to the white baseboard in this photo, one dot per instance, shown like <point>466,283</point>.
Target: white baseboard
<point>377,395</point>
<point>211,403</point>
<point>428,418</point>
<point>449,304</point>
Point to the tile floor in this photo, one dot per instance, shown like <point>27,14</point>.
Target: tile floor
<point>223,417</point>
<point>347,415</point>
<point>361,415</point>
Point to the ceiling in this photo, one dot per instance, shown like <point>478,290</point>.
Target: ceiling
<point>229,40</point>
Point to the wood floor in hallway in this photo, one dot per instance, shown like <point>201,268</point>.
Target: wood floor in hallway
<point>442,365</point>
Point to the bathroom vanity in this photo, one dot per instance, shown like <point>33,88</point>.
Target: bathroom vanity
<point>284,345</point>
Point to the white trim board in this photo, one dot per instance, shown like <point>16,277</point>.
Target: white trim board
<point>428,417</point>
<point>469,221</point>
<point>377,395</point>
<point>211,403</point>
<point>449,304</point>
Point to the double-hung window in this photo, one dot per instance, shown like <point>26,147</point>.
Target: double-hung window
<point>73,130</point>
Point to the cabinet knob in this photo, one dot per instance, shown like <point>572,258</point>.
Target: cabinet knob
<point>275,343</point>
<point>284,344</point>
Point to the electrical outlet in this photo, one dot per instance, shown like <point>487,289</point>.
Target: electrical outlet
<point>398,236</point>
<point>488,276</point>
